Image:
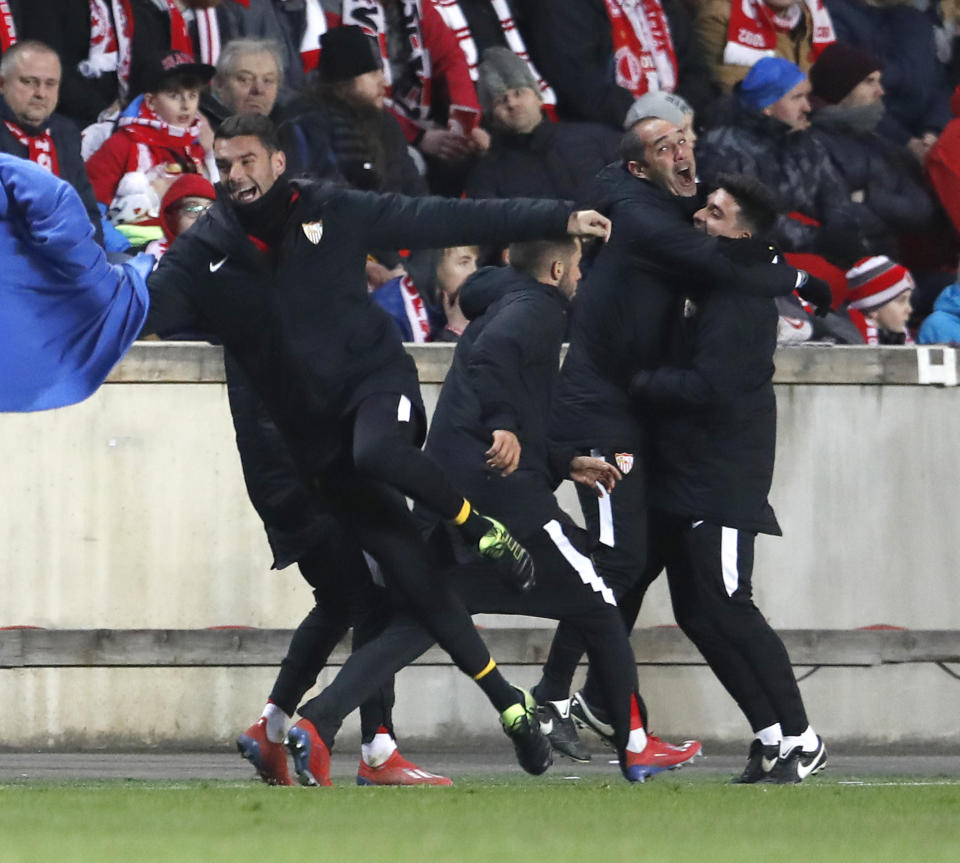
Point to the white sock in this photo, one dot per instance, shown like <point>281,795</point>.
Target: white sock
<point>563,707</point>
<point>277,722</point>
<point>637,741</point>
<point>378,750</point>
<point>806,741</point>
<point>771,735</point>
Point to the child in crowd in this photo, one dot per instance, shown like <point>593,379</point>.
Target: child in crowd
<point>185,201</point>
<point>157,141</point>
<point>878,300</point>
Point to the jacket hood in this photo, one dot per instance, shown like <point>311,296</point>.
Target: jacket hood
<point>484,287</point>
<point>949,300</point>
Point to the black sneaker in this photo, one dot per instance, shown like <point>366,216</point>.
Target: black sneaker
<point>561,732</point>
<point>760,761</point>
<point>797,765</point>
<point>521,725</point>
<point>592,718</point>
<point>511,558</point>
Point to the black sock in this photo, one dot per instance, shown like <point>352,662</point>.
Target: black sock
<point>496,687</point>
<point>473,527</point>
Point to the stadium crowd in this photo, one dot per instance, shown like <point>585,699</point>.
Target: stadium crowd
<point>788,166</point>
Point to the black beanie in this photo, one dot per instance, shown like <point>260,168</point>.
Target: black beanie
<point>838,70</point>
<point>346,52</point>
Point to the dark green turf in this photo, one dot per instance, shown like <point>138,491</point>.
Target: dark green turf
<point>484,819</point>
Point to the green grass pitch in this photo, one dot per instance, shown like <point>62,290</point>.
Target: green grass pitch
<point>594,820</point>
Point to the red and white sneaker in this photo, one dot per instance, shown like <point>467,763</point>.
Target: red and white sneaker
<point>657,756</point>
<point>311,758</point>
<point>396,770</point>
<point>269,758</point>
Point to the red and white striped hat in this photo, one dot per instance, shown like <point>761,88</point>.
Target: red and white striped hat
<point>875,281</point>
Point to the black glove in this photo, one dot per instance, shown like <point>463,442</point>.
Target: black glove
<point>816,292</point>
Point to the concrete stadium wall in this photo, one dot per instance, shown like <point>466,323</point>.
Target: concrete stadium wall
<point>128,511</point>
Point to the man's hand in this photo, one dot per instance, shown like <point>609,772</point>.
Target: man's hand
<point>445,145</point>
<point>594,472</point>
<point>504,455</point>
<point>588,223</point>
<point>378,275</point>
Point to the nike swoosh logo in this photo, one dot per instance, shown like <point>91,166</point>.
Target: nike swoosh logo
<point>767,764</point>
<point>216,266</point>
<point>804,770</point>
<point>696,524</point>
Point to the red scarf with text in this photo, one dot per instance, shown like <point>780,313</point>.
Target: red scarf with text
<point>8,32</point>
<point>753,28</point>
<point>643,53</point>
<point>41,148</point>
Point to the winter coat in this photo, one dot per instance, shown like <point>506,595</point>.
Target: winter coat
<point>901,37</point>
<point>712,25</point>
<point>714,412</point>
<point>556,160</point>
<point>502,377</point>
<point>68,315</point>
<point>619,318</point>
<point>943,165</point>
<point>795,165</point>
<point>888,175</point>
<point>572,46</point>
<point>301,324</point>
<point>66,138</point>
<point>943,326</point>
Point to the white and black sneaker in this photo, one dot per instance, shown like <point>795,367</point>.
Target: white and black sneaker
<point>592,718</point>
<point>557,724</point>
<point>797,765</point>
<point>760,761</point>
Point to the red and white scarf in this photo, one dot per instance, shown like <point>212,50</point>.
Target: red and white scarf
<point>370,17</point>
<point>869,331</point>
<point>41,148</point>
<point>8,31</point>
<point>102,56</point>
<point>753,28</point>
<point>208,35</point>
<point>643,52</point>
<point>415,309</point>
<point>454,18</point>
<point>315,25</point>
<point>151,132</point>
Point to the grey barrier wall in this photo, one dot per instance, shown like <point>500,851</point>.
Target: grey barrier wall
<point>128,512</point>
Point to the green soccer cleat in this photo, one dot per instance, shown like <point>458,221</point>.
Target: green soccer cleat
<point>512,559</point>
<point>521,725</point>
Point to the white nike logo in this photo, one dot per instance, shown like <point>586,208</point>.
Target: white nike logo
<point>767,764</point>
<point>216,266</point>
<point>804,770</point>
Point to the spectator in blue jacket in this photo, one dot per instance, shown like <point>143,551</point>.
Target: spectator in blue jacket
<point>943,326</point>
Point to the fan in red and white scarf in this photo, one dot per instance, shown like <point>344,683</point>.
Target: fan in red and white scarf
<point>753,28</point>
<point>878,300</point>
<point>643,53</point>
<point>456,20</point>
<point>8,29</point>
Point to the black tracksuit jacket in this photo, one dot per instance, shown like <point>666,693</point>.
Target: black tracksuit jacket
<point>301,324</point>
<point>619,324</point>
<point>714,412</point>
<point>502,377</point>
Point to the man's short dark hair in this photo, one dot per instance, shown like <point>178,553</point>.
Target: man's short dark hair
<point>534,257</point>
<point>254,125</point>
<point>759,204</point>
<point>632,147</point>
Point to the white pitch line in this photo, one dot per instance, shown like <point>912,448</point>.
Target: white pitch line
<point>858,784</point>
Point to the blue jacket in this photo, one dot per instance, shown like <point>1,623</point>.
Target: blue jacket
<point>66,315</point>
<point>943,326</point>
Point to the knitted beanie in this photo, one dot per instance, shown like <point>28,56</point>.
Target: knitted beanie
<point>660,104</point>
<point>838,70</point>
<point>875,281</point>
<point>346,52</point>
<point>502,70</point>
<point>769,80</point>
<point>186,186</point>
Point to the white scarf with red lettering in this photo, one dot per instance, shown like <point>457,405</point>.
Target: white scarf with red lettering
<point>455,19</point>
<point>643,53</point>
<point>41,149</point>
<point>369,16</point>
<point>8,32</point>
<point>752,32</point>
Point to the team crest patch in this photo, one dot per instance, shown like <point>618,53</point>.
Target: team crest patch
<point>313,231</point>
<point>624,461</point>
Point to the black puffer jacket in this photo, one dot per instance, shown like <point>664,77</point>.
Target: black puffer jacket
<point>556,160</point>
<point>797,167</point>
<point>619,318</point>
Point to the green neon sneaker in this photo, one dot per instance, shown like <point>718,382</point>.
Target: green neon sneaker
<point>512,559</point>
<point>521,725</point>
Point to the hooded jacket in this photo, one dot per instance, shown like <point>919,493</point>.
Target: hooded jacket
<point>943,325</point>
<point>300,322</point>
<point>68,315</point>
<point>619,318</point>
<point>502,377</point>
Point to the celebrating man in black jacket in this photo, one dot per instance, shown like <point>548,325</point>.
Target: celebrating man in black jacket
<point>276,270</point>
<point>489,433</point>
